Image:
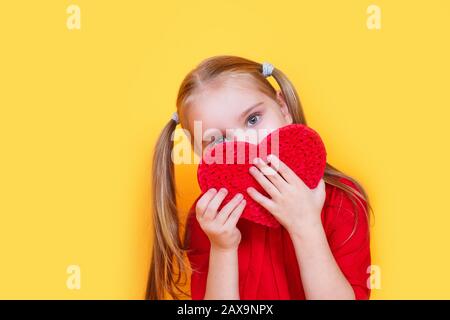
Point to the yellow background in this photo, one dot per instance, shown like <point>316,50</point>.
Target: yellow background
<point>80,111</point>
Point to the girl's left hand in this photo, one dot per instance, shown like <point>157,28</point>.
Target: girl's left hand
<point>296,206</point>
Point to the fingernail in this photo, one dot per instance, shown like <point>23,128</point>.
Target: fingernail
<point>252,169</point>
<point>213,190</point>
<point>223,190</point>
<point>239,196</point>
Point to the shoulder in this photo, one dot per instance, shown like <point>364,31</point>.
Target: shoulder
<point>338,198</point>
<point>191,213</point>
<point>194,237</point>
<point>345,214</point>
<point>348,234</point>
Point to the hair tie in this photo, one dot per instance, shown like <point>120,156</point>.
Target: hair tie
<point>175,117</point>
<point>267,69</point>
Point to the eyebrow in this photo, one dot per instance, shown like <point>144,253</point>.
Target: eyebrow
<point>249,109</point>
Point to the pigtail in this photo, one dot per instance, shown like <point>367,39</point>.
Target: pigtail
<point>332,175</point>
<point>168,264</point>
<point>290,95</point>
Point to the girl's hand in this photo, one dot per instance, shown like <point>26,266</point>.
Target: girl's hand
<point>292,202</point>
<point>220,227</point>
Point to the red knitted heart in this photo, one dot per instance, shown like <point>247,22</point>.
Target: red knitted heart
<point>227,164</point>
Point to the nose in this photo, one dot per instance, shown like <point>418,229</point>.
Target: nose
<point>249,135</point>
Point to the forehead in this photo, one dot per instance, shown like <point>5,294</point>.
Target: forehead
<point>219,104</point>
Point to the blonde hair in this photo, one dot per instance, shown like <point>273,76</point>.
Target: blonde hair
<point>168,264</point>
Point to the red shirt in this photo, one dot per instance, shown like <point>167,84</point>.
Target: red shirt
<point>268,267</point>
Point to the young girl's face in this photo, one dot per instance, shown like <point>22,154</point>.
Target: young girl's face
<point>234,109</point>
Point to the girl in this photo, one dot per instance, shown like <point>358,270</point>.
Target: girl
<point>321,250</point>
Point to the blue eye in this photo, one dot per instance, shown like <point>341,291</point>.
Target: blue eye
<point>253,119</point>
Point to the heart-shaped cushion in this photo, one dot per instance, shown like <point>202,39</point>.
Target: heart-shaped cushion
<point>227,165</point>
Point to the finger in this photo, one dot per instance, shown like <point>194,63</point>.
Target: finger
<point>267,185</point>
<point>214,204</point>
<point>202,203</point>
<point>261,199</point>
<point>223,214</point>
<point>235,214</point>
<point>271,174</point>
<point>287,173</point>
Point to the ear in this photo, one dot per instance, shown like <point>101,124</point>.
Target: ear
<point>284,108</point>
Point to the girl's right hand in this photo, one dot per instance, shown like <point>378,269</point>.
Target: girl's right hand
<point>220,227</point>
